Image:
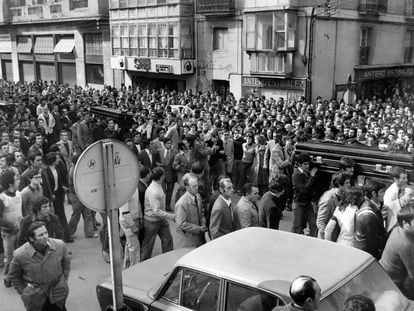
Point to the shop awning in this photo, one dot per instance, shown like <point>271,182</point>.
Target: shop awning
<point>5,46</point>
<point>65,46</point>
<point>24,45</point>
<point>43,45</point>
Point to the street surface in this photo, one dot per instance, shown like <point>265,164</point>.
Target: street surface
<point>87,269</point>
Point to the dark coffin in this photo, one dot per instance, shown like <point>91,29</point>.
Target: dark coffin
<point>365,158</point>
<point>123,119</point>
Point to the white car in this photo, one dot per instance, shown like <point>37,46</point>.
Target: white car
<point>251,270</point>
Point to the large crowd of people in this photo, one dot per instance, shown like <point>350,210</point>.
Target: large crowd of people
<point>198,153</point>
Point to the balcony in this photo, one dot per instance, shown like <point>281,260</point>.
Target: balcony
<point>372,7</point>
<point>215,7</point>
<point>363,55</point>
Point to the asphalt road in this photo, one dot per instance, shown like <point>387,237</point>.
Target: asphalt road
<point>87,269</point>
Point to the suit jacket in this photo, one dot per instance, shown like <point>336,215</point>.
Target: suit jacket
<point>49,125</point>
<point>167,163</point>
<point>221,221</point>
<point>174,135</point>
<point>190,219</point>
<point>144,159</point>
<point>48,181</point>
<point>65,155</point>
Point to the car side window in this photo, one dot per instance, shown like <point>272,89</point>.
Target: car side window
<point>242,298</point>
<point>172,293</point>
<point>199,292</point>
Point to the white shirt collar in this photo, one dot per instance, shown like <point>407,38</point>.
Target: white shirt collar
<point>228,202</point>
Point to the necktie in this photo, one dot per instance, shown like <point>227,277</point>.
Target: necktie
<point>66,147</point>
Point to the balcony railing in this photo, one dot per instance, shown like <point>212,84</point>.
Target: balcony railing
<point>363,55</point>
<point>215,7</point>
<point>372,7</point>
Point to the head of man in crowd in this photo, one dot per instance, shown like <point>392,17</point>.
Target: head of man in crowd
<point>251,192</point>
<point>35,160</point>
<point>158,174</point>
<point>226,187</point>
<point>191,183</point>
<point>405,218</point>
<point>399,176</point>
<point>41,207</point>
<point>306,293</point>
<point>374,190</point>
<point>346,165</point>
<point>37,235</point>
<point>358,303</point>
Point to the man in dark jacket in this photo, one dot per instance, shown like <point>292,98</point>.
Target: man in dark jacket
<point>41,212</point>
<point>302,181</point>
<point>370,233</point>
<point>271,204</point>
<point>40,290</point>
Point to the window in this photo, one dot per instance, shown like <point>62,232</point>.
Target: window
<point>186,41</point>
<point>249,299</point>
<point>123,32</point>
<point>14,3</point>
<point>269,62</point>
<point>193,290</point>
<point>271,31</point>
<point>142,40</point>
<point>94,74</point>
<point>410,8</point>
<point>408,46</point>
<point>35,2</point>
<point>219,38</point>
<point>133,40</point>
<point>35,10</point>
<point>55,8</point>
<point>162,40</point>
<point>116,41</point>
<point>78,4</point>
<point>93,44</point>
<point>173,40</point>
<point>265,32</point>
<point>16,12</point>
<point>364,45</point>
<point>152,40</point>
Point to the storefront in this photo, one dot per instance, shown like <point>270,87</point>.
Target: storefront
<point>383,81</point>
<point>150,73</point>
<point>289,89</point>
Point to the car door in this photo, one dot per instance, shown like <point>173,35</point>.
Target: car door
<point>188,289</point>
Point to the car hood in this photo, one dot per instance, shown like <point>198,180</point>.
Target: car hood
<point>148,275</point>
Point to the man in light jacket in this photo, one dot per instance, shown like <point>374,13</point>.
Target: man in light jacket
<point>191,223</point>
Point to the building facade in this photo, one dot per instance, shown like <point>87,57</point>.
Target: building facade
<point>153,43</point>
<point>55,40</point>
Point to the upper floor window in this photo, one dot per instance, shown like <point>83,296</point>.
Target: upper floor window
<point>408,46</point>
<point>93,44</point>
<point>271,31</point>
<point>364,45</point>
<point>14,3</point>
<point>219,38</point>
<point>77,4</point>
<point>409,7</point>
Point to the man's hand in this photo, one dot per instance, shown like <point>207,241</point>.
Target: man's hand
<point>361,180</point>
<point>313,171</point>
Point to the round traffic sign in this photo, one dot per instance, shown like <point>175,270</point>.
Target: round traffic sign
<point>88,176</point>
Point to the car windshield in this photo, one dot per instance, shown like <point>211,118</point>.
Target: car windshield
<point>372,282</point>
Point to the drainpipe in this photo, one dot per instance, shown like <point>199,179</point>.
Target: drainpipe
<point>310,57</point>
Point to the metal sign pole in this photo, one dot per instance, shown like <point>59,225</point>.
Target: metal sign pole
<point>113,227</point>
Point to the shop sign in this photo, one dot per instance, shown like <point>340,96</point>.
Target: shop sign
<point>285,84</point>
<point>163,68</point>
<point>142,64</point>
<point>383,73</point>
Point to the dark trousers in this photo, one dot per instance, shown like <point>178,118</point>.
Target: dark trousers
<point>48,306</point>
<point>152,229</point>
<point>78,210</point>
<point>59,207</point>
<point>169,188</point>
<point>244,174</point>
<point>236,172</point>
<point>303,214</point>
